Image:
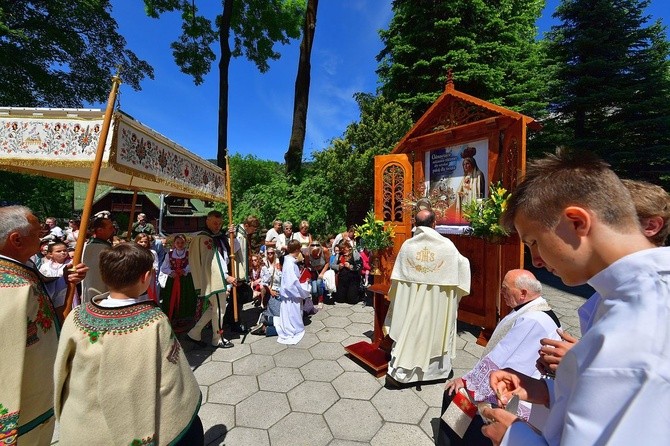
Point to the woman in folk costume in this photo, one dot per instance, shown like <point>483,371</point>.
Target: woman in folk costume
<point>473,184</point>
<point>144,241</point>
<point>52,269</point>
<point>289,324</point>
<point>121,376</point>
<point>178,296</point>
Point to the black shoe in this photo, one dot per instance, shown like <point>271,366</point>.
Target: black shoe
<point>198,343</point>
<point>224,343</point>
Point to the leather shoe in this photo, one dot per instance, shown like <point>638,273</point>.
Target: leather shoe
<point>199,343</point>
<point>224,343</point>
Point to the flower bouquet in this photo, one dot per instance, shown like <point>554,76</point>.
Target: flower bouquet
<point>374,234</point>
<point>484,214</point>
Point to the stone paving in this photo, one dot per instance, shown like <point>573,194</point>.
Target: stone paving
<point>264,393</point>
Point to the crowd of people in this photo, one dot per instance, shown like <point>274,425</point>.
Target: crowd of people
<point>578,219</point>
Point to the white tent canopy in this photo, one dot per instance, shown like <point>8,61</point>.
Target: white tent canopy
<point>62,143</point>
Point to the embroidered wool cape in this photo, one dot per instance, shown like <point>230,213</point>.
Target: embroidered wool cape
<point>28,348</point>
<point>122,378</point>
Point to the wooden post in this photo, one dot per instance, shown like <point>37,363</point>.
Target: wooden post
<point>92,183</point>
<point>132,216</point>
<point>233,271</point>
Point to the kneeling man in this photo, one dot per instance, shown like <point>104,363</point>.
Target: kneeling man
<point>429,278</point>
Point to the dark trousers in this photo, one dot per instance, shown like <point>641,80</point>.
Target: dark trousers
<point>194,436</point>
<point>348,286</point>
<point>473,435</point>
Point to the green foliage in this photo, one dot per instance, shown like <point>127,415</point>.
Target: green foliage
<point>612,88</point>
<point>374,235</point>
<point>46,197</point>
<point>484,214</point>
<point>490,46</point>
<point>347,165</point>
<point>62,53</point>
<point>257,25</point>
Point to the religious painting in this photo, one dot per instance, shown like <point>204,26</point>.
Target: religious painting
<point>455,176</point>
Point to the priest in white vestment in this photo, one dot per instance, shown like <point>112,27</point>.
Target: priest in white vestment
<point>429,278</point>
<point>514,344</point>
<point>289,324</point>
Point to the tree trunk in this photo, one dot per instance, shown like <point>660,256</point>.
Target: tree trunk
<point>293,156</point>
<point>224,65</point>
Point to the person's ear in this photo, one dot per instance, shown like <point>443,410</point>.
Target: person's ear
<point>651,226</point>
<point>15,239</point>
<point>579,218</point>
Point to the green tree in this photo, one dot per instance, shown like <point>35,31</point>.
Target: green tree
<point>489,45</point>
<point>347,164</point>
<point>46,197</point>
<point>255,25</point>
<point>62,53</point>
<point>612,89</point>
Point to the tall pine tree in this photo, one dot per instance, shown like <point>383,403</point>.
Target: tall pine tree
<point>490,45</point>
<point>612,89</point>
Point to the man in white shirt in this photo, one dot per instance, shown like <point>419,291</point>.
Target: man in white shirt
<point>579,222</point>
<point>272,234</point>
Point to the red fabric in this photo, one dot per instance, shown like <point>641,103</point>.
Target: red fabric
<point>175,295</point>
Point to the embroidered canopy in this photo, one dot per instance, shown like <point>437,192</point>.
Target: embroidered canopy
<point>61,143</point>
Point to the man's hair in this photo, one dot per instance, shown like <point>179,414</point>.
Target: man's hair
<point>123,265</point>
<point>53,219</point>
<point>215,213</point>
<point>528,282</point>
<point>252,220</point>
<point>564,179</point>
<point>276,221</point>
<point>287,224</point>
<point>293,246</point>
<point>99,222</point>
<point>425,217</point>
<point>13,218</point>
<point>651,200</point>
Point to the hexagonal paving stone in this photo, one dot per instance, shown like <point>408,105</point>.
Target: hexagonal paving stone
<point>395,433</point>
<point>354,420</point>
<point>354,340</point>
<point>338,442</point>
<point>431,421</point>
<point>267,346</point>
<point>321,370</point>
<point>217,420</point>
<point>261,410</point>
<point>357,329</point>
<point>312,397</point>
<point>336,321</point>
<point>431,394</point>
<point>387,403</point>
<point>299,429</point>
<point>233,389</point>
<point>212,372</point>
<point>280,379</point>
<point>357,385</point>
<point>307,341</point>
<point>314,326</point>
<point>231,354</point>
<point>330,334</point>
<point>246,436</point>
<point>474,349</point>
<point>349,365</point>
<point>340,310</point>
<point>362,318</point>
<point>327,350</point>
<point>292,357</point>
<point>253,365</point>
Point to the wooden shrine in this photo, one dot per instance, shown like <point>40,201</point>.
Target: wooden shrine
<point>428,163</point>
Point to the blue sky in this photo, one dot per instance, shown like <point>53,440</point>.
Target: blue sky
<point>260,105</point>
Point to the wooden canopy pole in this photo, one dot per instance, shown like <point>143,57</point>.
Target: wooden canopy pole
<point>92,183</point>
<point>229,197</point>
<point>132,216</point>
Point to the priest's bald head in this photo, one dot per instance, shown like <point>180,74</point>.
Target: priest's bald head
<point>519,287</point>
<point>425,217</point>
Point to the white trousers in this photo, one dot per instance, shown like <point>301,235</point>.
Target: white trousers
<point>214,313</point>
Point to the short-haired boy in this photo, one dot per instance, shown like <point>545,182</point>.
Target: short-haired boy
<point>579,222</point>
<point>121,376</point>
